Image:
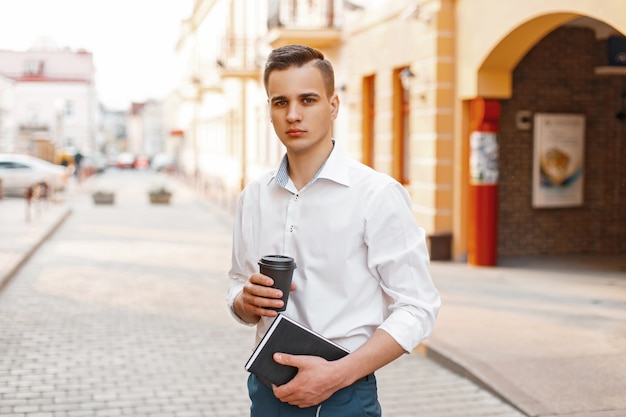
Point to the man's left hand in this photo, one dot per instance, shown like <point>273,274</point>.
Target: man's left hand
<point>317,379</point>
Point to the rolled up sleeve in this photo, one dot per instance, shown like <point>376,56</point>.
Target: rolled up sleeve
<point>398,254</point>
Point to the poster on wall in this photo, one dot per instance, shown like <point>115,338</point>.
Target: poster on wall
<point>558,156</point>
<point>483,163</point>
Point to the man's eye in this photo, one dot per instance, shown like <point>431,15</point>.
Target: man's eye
<point>280,103</point>
<point>308,100</point>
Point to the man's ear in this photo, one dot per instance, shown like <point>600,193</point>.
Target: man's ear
<point>334,106</point>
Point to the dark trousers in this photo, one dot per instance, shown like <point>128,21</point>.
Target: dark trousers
<point>358,400</point>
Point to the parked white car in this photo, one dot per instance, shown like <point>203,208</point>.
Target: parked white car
<point>162,162</point>
<point>18,172</point>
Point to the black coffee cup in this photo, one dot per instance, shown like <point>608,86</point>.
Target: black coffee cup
<point>280,269</point>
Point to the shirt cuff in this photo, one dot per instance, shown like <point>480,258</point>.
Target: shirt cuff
<point>233,292</point>
<point>407,329</point>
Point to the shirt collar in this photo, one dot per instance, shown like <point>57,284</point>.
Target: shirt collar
<point>335,168</point>
<point>282,175</point>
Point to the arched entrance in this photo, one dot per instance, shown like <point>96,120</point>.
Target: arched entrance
<point>552,64</point>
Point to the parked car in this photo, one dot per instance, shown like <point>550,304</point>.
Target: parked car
<point>163,162</point>
<point>19,172</point>
<point>142,162</point>
<point>111,159</point>
<point>95,163</point>
<point>126,160</point>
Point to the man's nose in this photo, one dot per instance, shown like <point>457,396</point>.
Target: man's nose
<point>294,114</point>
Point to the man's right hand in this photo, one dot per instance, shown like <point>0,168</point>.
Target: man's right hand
<point>258,298</point>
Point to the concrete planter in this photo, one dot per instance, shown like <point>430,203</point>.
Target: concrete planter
<point>103,198</point>
<point>160,198</point>
<point>160,195</point>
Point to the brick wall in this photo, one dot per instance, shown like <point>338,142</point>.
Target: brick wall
<point>557,75</point>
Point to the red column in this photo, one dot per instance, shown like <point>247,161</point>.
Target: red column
<point>482,236</point>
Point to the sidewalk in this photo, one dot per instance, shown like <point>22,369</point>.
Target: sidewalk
<point>548,335</point>
<point>21,234</point>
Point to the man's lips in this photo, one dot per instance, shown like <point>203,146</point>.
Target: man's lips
<point>295,132</point>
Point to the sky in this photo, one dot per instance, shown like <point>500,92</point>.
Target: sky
<point>133,41</point>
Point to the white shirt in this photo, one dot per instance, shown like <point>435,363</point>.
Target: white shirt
<point>362,261</point>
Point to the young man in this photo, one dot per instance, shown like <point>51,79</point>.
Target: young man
<point>362,276</point>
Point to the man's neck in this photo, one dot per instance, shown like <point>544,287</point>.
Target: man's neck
<point>303,166</point>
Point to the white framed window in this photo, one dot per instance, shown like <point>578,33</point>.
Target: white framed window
<point>33,67</point>
<point>69,108</point>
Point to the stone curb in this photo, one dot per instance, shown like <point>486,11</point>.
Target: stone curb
<point>4,280</point>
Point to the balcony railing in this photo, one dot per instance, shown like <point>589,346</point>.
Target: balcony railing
<point>33,126</point>
<point>304,14</point>
<point>238,57</point>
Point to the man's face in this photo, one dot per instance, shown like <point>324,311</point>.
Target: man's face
<point>300,109</point>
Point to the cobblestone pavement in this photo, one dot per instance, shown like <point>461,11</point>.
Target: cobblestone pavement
<point>122,313</point>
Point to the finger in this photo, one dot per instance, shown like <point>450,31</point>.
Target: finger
<point>263,312</point>
<point>260,279</point>
<point>286,359</point>
<point>261,291</point>
<point>261,305</point>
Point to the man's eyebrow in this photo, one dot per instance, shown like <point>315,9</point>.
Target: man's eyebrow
<point>307,95</point>
<point>301,96</point>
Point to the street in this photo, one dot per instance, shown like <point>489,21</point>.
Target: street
<point>122,313</point>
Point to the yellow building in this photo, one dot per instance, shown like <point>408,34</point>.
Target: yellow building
<point>504,120</point>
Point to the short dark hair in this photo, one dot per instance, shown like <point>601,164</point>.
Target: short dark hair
<point>297,56</point>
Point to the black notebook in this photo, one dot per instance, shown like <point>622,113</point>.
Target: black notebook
<point>288,336</point>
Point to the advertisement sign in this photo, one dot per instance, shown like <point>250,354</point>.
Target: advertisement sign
<point>483,163</point>
<point>558,156</point>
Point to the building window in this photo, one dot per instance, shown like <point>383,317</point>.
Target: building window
<point>69,108</point>
<point>33,67</point>
<point>368,117</point>
<point>400,145</point>
<point>32,115</point>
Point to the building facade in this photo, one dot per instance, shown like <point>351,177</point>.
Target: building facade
<point>55,99</point>
<point>220,101</point>
<point>505,121</point>
<point>7,119</point>
<point>146,135</point>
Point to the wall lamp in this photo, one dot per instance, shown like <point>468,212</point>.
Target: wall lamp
<point>352,6</point>
<point>406,76</point>
<point>417,12</point>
